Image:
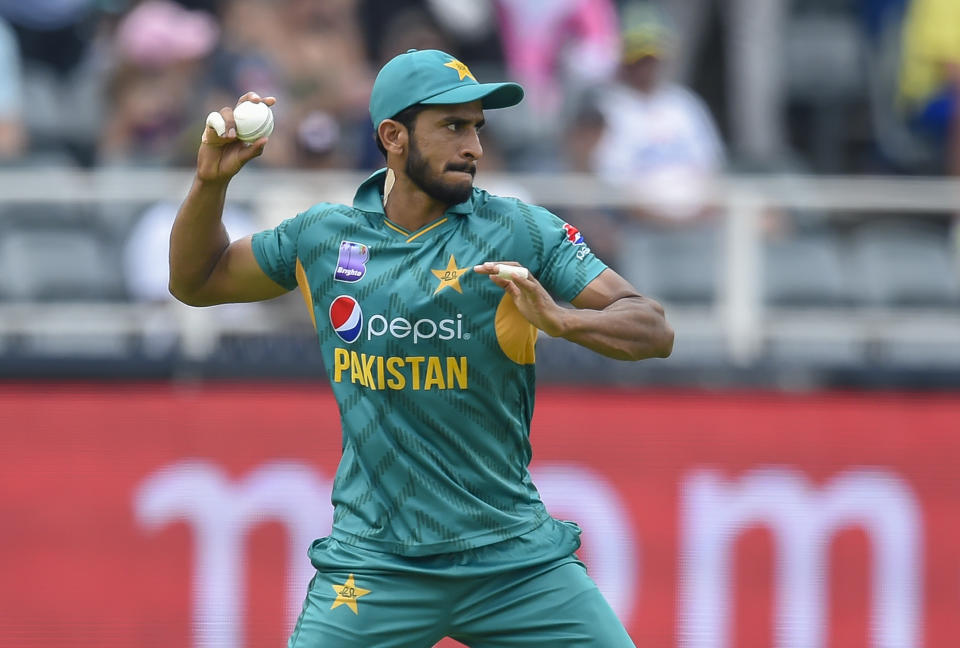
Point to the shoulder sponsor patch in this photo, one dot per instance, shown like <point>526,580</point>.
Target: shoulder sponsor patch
<point>352,261</point>
<point>573,234</point>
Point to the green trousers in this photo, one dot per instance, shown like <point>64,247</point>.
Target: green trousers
<point>523,592</point>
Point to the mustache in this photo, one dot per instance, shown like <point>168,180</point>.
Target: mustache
<point>466,167</point>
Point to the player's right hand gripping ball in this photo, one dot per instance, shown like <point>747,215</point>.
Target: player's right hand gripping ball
<point>254,120</point>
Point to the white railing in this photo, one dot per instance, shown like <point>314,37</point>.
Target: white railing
<point>738,315</point>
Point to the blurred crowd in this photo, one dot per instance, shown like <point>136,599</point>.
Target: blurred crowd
<point>657,97</point>
<point>613,86</point>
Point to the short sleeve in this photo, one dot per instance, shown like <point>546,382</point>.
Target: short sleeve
<point>276,251</point>
<point>568,263</point>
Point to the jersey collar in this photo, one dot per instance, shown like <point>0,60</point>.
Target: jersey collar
<point>369,196</point>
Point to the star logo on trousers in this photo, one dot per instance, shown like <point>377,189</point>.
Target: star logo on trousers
<point>347,594</point>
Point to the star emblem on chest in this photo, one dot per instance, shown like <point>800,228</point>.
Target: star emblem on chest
<point>449,276</point>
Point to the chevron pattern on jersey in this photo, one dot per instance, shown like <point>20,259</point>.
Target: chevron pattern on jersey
<point>435,389</point>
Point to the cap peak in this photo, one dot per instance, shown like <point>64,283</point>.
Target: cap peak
<point>433,77</point>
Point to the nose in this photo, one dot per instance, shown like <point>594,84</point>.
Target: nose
<point>471,146</point>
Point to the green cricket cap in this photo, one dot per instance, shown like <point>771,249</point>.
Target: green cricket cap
<point>433,77</point>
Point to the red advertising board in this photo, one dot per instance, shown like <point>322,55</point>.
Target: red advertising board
<point>164,515</point>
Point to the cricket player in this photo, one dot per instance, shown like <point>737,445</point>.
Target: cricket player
<point>429,347</point>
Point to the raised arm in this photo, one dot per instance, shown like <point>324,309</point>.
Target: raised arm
<point>610,317</point>
<point>205,267</point>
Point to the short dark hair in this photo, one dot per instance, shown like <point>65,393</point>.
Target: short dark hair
<point>407,117</point>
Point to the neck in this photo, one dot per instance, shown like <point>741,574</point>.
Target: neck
<point>409,207</point>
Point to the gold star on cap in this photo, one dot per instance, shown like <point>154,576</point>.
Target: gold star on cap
<point>347,594</point>
<point>449,276</point>
<point>461,69</point>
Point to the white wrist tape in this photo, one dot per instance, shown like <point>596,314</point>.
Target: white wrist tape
<point>216,122</point>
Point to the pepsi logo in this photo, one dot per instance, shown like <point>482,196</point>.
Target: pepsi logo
<point>346,318</point>
<point>573,234</point>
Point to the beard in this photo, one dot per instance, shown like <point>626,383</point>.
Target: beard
<point>447,193</point>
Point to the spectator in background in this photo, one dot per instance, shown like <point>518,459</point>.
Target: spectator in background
<point>318,142</point>
<point>552,46</point>
<point>651,135</point>
<point>753,35</point>
<point>147,248</point>
<point>310,56</point>
<point>325,69</point>
<point>60,82</point>
<point>13,138</point>
<point>467,28</point>
<point>930,74</point>
<point>544,40</point>
<point>51,32</point>
<point>145,261</point>
<point>161,49</point>
<point>930,82</point>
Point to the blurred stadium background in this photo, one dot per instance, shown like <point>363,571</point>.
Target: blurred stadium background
<point>789,477</point>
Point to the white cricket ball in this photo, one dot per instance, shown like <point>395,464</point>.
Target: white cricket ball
<point>254,120</point>
<point>505,271</point>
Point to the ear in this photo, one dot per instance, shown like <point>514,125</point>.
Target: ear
<point>394,136</point>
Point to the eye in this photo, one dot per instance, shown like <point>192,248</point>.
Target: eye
<point>452,127</point>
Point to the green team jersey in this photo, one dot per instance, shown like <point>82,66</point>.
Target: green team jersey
<point>431,364</point>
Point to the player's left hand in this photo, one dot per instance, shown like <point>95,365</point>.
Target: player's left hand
<point>529,296</point>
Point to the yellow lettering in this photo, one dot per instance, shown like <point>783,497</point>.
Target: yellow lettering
<point>415,362</point>
<point>434,374</point>
<point>457,371</point>
<point>391,372</point>
<point>398,381</point>
<point>341,361</point>
<point>356,370</point>
<point>368,369</point>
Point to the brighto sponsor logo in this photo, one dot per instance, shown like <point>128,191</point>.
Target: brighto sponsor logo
<point>421,329</point>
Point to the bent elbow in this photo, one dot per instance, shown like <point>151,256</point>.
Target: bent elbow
<point>658,345</point>
<point>662,336</point>
<point>665,348</point>
<point>178,293</point>
<point>184,296</point>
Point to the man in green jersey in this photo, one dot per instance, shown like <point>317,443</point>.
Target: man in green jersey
<point>438,530</point>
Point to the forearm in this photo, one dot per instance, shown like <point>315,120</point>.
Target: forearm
<point>198,238</point>
<point>631,328</point>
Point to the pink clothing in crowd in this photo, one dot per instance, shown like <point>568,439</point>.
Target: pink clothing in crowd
<point>544,40</point>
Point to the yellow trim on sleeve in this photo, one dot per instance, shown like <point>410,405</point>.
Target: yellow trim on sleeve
<point>515,335</point>
<point>305,291</point>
